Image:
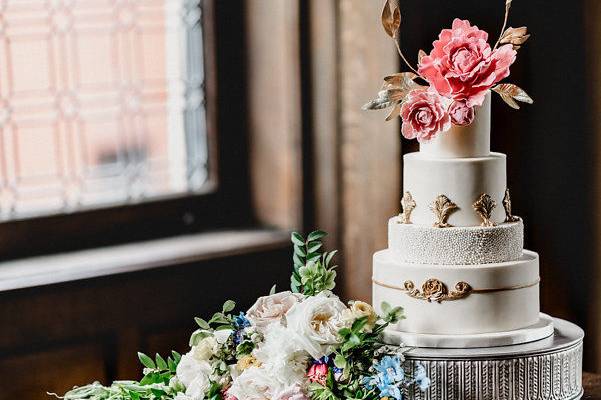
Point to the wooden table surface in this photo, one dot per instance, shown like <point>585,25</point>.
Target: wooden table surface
<point>592,386</point>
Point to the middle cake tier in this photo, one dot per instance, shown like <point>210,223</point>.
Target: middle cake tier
<point>461,180</point>
<point>462,299</point>
<point>418,244</point>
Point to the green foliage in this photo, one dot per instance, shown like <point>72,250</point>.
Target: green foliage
<point>155,385</point>
<point>219,321</point>
<point>392,315</point>
<point>312,272</point>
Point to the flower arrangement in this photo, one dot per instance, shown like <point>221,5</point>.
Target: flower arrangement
<point>300,344</point>
<point>459,71</point>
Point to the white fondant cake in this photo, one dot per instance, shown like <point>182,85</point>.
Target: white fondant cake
<point>503,296</point>
<point>460,272</point>
<point>455,246</point>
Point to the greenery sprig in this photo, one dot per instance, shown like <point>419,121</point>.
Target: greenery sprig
<point>219,321</point>
<point>155,385</point>
<point>312,272</point>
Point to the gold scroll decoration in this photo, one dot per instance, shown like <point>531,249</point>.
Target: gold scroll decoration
<point>408,205</point>
<point>507,206</point>
<point>442,208</point>
<point>484,207</point>
<point>435,290</point>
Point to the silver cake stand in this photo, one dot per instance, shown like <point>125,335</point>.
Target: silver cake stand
<point>549,368</point>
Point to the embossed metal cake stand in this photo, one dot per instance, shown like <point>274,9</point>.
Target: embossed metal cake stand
<point>550,368</point>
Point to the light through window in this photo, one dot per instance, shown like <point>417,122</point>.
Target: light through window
<point>101,103</point>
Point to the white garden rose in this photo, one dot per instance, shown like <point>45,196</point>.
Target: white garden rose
<point>281,357</point>
<point>314,323</point>
<point>360,309</point>
<point>205,349</point>
<point>272,308</point>
<point>194,375</point>
<point>253,384</point>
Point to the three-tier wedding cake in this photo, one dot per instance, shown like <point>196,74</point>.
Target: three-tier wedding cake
<point>455,259</point>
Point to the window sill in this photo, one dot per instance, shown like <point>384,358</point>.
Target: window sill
<point>53,269</point>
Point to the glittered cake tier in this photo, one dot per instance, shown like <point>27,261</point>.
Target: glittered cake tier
<point>455,246</point>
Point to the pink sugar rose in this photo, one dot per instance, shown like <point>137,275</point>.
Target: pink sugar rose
<point>462,64</point>
<point>461,114</point>
<point>424,115</point>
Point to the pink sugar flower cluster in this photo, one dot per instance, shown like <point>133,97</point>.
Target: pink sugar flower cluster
<point>461,68</point>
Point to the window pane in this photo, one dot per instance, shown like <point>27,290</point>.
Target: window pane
<point>101,103</point>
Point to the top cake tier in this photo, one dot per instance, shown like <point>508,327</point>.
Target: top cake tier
<point>463,141</point>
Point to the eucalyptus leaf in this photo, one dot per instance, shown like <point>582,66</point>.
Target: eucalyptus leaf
<point>228,306</point>
<point>202,323</point>
<point>146,361</point>
<point>316,235</point>
<point>297,239</point>
<point>160,362</point>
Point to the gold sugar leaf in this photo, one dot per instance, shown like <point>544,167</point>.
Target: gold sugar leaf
<point>391,19</point>
<point>484,207</point>
<point>515,36</point>
<point>396,111</point>
<point>402,80</point>
<point>510,93</point>
<point>442,208</point>
<point>421,54</point>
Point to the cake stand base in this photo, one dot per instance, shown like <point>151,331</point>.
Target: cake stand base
<point>542,329</point>
<point>548,369</point>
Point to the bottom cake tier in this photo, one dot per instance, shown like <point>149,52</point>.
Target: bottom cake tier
<point>459,299</point>
<point>547,369</point>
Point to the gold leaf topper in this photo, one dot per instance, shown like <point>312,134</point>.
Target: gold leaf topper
<point>510,93</point>
<point>391,19</point>
<point>484,206</point>
<point>394,91</point>
<point>507,206</point>
<point>408,205</point>
<point>515,36</point>
<point>435,290</point>
<point>442,208</point>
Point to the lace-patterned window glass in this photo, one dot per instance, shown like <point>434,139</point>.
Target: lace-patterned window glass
<point>101,103</point>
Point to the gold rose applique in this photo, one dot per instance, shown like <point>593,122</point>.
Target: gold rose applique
<point>435,290</point>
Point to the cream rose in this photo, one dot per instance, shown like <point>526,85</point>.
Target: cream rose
<point>269,309</point>
<point>314,323</point>
<point>360,309</point>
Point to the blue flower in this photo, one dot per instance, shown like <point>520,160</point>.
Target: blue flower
<point>421,379</point>
<point>391,366</point>
<point>241,322</point>
<point>389,378</point>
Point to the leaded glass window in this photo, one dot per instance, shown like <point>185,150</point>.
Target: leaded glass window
<point>101,103</point>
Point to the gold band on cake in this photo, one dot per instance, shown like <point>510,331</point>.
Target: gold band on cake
<point>435,290</point>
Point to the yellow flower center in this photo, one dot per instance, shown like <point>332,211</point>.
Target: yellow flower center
<point>319,320</point>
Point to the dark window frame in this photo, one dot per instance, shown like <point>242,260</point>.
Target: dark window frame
<point>226,200</point>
